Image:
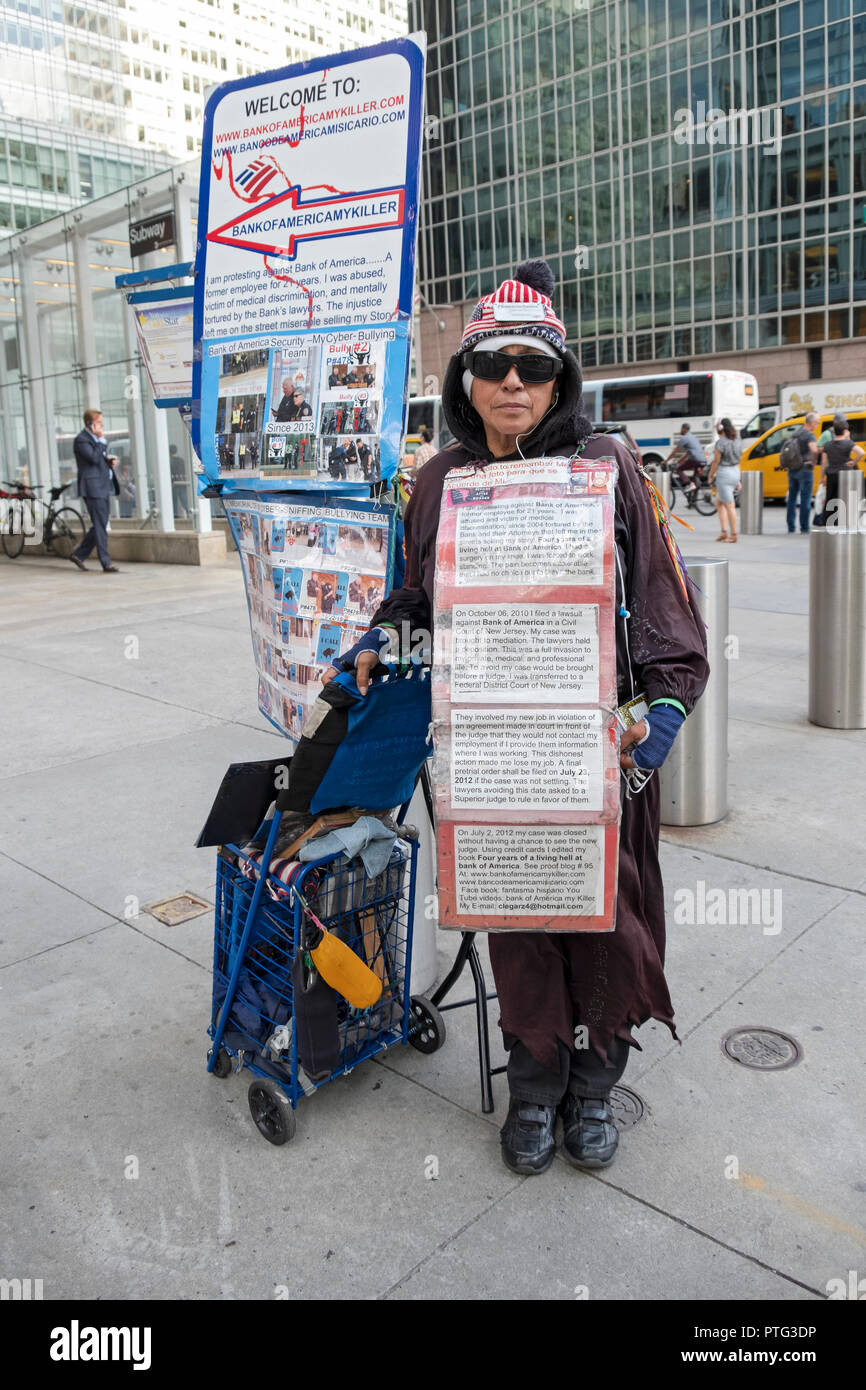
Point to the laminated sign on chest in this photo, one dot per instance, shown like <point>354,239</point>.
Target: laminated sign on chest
<point>524,688</point>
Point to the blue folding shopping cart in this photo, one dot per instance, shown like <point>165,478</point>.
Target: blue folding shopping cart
<point>261,969</point>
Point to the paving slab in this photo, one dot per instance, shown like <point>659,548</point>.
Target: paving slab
<point>393,1185</point>
<point>38,914</point>
<point>565,1236</point>
<point>146,1178</point>
<point>796,803</point>
<point>124,825</point>
<point>62,719</point>
<point>769,1161</point>
<point>706,962</point>
<point>189,666</point>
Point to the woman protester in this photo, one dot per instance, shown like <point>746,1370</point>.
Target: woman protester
<point>513,390</point>
<point>725,476</point>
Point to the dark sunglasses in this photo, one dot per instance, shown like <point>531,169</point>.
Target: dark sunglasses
<point>531,367</point>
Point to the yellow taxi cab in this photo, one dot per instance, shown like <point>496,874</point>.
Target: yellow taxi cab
<point>762,454</point>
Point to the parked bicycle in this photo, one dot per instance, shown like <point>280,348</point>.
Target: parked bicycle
<point>62,527</point>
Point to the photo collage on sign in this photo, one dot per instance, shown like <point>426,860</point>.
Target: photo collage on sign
<point>350,408</point>
<point>313,578</point>
<point>302,411</point>
<point>290,443</point>
<point>243,386</point>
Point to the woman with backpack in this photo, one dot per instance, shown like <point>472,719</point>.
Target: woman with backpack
<point>725,475</point>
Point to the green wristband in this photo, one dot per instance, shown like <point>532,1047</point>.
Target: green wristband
<point>667,700</point>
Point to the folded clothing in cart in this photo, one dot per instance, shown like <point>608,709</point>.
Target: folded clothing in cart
<point>369,838</point>
<point>284,870</point>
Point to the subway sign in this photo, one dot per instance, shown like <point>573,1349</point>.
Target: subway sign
<point>151,233</point>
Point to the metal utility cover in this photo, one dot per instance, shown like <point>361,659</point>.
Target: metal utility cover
<point>173,911</point>
<point>627,1106</point>
<point>763,1049</point>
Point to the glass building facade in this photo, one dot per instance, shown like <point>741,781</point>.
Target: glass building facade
<point>97,94</point>
<point>67,342</point>
<point>557,128</point>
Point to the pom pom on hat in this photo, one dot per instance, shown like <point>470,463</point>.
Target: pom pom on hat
<point>520,307</point>
<point>538,276</point>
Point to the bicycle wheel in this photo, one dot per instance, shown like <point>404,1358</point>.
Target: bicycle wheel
<point>673,501</point>
<point>67,532</point>
<point>704,501</point>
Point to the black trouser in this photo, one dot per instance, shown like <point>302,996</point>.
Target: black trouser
<point>97,535</point>
<point>582,1072</point>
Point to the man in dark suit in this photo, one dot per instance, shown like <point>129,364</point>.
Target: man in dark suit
<point>96,484</point>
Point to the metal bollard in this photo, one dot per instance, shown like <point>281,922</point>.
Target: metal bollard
<point>694,779</point>
<point>662,480</point>
<point>752,503</point>
<point>837,628</point>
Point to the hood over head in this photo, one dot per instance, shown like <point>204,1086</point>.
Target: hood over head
<point>520,308</point>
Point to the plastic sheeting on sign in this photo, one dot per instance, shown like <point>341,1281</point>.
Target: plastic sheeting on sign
<point>307,223</point>
<point>526,767</point>
<point>315,570</point>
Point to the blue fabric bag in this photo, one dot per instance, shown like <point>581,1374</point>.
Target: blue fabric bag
<point>386,743</point>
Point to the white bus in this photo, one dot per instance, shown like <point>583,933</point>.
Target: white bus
<point>655,407</point>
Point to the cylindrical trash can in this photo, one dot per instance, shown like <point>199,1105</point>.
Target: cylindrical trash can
<point>837,628</point>
<point>426,919</point>
<point>752,503</point>
<point>843,510</point>
<point>694,778</point>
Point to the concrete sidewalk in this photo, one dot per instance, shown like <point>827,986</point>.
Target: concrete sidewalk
<point>124,698</point>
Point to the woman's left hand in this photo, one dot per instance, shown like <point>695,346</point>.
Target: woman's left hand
<point>633,735</point>
<point>652,738</point>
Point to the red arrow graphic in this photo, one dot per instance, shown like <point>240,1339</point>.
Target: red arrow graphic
<point>275,228</point>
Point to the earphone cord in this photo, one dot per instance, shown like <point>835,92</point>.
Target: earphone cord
<point>527,433</point>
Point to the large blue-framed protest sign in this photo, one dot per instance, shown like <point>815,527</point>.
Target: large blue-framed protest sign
<point>307,228</point>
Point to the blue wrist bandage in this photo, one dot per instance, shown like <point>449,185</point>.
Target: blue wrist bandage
<point>376,640</point>
<point>664,722</point>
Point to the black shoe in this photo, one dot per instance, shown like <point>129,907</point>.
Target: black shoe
<point>80,563</point>
<point>110,569</point>
<point>528,1145</point>
<point>589,1135</point>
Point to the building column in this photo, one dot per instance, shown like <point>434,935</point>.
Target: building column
<point>85,334</point>
<point>156,436</point>
<point>41,436</point>
<point>135,415</point>
<point>10,445</point>
<point>185,246</point>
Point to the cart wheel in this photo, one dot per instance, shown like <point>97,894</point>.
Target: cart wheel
<point>427,1029</point>
<point>222,1067</point>
<point>272,1111</point>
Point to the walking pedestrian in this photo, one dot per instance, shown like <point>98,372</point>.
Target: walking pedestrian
<point>801,480</point>
<point>179,488</point>
<point>96,486</point>
<point>725,474</point>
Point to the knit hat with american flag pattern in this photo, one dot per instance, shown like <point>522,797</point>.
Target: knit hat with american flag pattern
<point>520,307</point>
